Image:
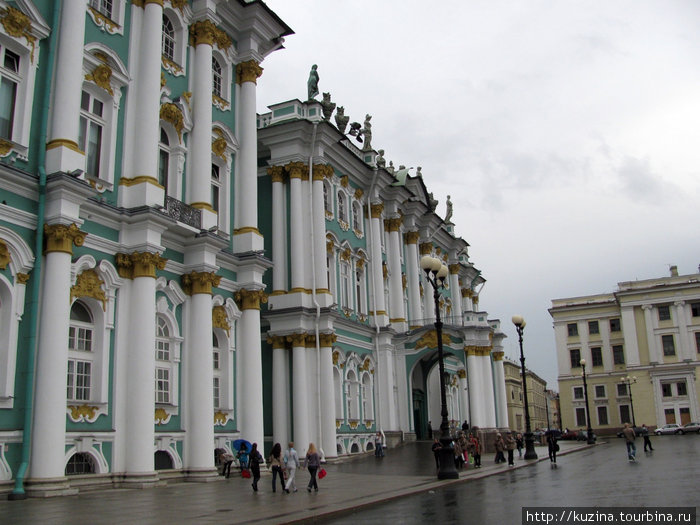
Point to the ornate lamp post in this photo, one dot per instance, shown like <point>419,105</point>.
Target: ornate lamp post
<point>530,453</point>
<point>589,437</point>
<point>628,381</point>
<point>435,274</point>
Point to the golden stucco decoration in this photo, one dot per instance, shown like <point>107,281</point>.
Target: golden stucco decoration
<point>82,413</point>
<point>219,418</point>
<point>17,24</point>
<point>4,255</point>
<point>89,284</point>
<point>429,340</point>
<point>102,76</point>
<point>250,299</point>
<point>218,147</point>
<point>5,147</point>
<point>248,71</point>
<point>171,113</point>
<point>219,319</point>
<point>161,416</point>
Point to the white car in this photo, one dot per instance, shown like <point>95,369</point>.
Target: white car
<point>693,426</point>
<point>671,428</point>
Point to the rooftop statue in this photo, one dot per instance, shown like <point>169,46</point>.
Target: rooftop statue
<point>401,176</point>
<point>432,201</point>
<point>448,215</point>
<point>418,172</point>
<point>341,120</point>
<point>381,163</point>
<point>391,168</point>
<point>367,130</point>
<point>312,83</point>
<point>327,106</point>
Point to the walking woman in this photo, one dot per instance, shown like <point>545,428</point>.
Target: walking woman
<point>475,449</point>
<point>500,447</point>
<point>275,463</point>
<point>255,458</point>
<point>552,448</point>
<point>312,462</point>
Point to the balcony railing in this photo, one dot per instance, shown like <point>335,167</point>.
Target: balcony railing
<point>182,212</point>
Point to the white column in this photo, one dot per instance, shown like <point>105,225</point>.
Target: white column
<point>631,347</point>
<point>63,153</point>
<point>199,460</point>
<point>199,173</point>
<point>387,406</point>
<point>280,392</point>
<point>475,389</point>
<point>308,244</point>
<point>685,349</point>
<point>246,235</point>
<point>376,265</point>
<point>328,439</point>
<point>296,229</point>
<point>489,403</point>
<point>250,405</point>
<point>456,294</point>
<point>413,277</point>
<point>141,365</point>
<point>655,354</point>
<point>464,396</point>
<point>397,316</point>
<point>49,427</point>
<point>300,400</point>
<point>319,217</point>
<point>499,380</point>
<point>279,226</point>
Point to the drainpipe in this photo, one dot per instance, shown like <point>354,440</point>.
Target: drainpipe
<point>313,292</point>
<point>377,410</point>
<point>33,317</point>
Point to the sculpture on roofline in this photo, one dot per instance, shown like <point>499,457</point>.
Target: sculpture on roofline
<point>327,106</point>
<point>391,168</point>
<point>432,201</point>
<point>418,172</point>
<point>356,131</point>
<point>341,120</point>
<point>381,163</point>
<point>367,130</point>
<point>312,83</point>
<point>448,215</point>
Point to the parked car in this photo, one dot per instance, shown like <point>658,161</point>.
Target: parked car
<point>693,426</point>
<point>638,431</point>
<point>569,434</point>
<point>670,428</point>
<point>582,435</point>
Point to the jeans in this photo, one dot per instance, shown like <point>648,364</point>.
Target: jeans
<point>291,472</point>
<point>312,481</point>
<point>631,449</point>
<point>277,471</point>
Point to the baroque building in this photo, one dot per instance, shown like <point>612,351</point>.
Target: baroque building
<point>178,272</point>
<point>641,349</point>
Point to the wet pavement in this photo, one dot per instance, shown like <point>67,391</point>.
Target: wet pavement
<point>365,482</point>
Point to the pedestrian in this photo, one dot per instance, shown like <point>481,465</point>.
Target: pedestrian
<point>630,436</point>
<point>465,426</point>
<point>464,445</point>
<point>276,465</point>
<point>647,441</point>
<point>243,457</point>
<point>226,459</point>
<point>436,448</point>
<point>475,449</point>
<point>510,447</point>
<point>430,430</point>
<point>255,458</point>
<point>378,446</point>
<point>519,444</point>
<point>291,462</point>
<point>459,458</point>
<point>312,462</point>
<point>552,447</point>
<point>500,447</point>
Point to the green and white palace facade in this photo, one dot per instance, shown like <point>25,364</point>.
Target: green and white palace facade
<point>178,271</point>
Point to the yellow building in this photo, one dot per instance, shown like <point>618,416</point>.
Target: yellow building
<point>647,334</point>
<point>536,387</point>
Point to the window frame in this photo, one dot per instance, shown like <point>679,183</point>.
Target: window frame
<point>664,312</point>
<point>575,393</point>
<point>176,65</point>
<point>615,325</point>
<point>112,23</point>
<point>596,356</point>
<point>575,363</point>
<point>618,352</point>
<point>572,329</point>
<point>668,345</point>
<point>593,328</point>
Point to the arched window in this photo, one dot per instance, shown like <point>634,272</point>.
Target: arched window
<point>80,463</point>
<point>353,395</point>
<point>357,217</point>
<point>92,125</point>
<point>217,78</point>
<point>215,187</point>
<point>80,354</point>
<point>168,42</point>
<point>9,80</point>
<point>216,353</point>
<point>328,206</point>
<point>163,159</point>
<point>367,397</point>
<point>342,207</point>
<point>345,288</point>
<point>163,357</point>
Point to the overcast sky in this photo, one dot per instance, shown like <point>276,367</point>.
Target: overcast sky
<point>566,132</point>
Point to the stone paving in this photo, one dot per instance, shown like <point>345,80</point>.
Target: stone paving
<point>350,484</point>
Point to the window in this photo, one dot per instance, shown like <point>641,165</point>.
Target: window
<point>168,42</point>
<point>342,208</point>
<point>345,290</point>
<point>697,341</point>
<point>326,200</point>
<point>162,341</point>
<point>80,463</point>
<point>664,313</point>
<point>593,327</point>
<point>600,391</point>
<point>215,187</point>
<point>575,355</point>
<point>625,414</point>
<point>163,159</point>
<point>359,291</point>
<point>668,345</point>
<point>572,328</point>
<point>618,355</point>
<point>9,81</point>
<point>78,380</point>
<point>92,124</point>
<point>162,385</point>
<point>216,358</point>
<point>578,392</point>
<point>217,399</point>
<point>80,355</point>
<point>102,6</point>
<point>666,390</point>
<point>356,217</point>
<point>597,356</point>
<point>615,325</point>
<point>622,389</point>
<point>695,309</point>
<point>602,415</point>
<point>163,355</point>
<point>217,80</point>
<point>682,388</point>
<point>580,417</point>
<point>353,395</point>
<point>367,397</point>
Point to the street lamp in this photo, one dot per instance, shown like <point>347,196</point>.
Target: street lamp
<point>589,438</point>
<point>435,274</point>
<point>530,453</point>
<point>629,381</point>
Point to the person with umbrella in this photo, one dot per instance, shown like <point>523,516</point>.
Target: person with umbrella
<point>242,446</point>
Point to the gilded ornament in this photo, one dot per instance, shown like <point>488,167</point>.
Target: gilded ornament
<point>219,319</point>
<point>250,299</point>
<point>498,356</point>
<point>162,80</point>
<point>310,341</point>
<point>103,21</point>
<point>277,341</point>
<point>200,282</point>
<point>462,373</point>
<point>345,254</point>
<point>5,147</point>
<point>385,270</point>
<point>89,284</point>
<point>336,357</point>
<point>171,66</point>
<point>171,113</point>
<point>327,340</point>
<point>22,278</point>
<point>404,281</point>
<point>219,102</point>
<point>5,257</point>
<point>179,4</point>
<point>353,423</point>
<point>322,171</point>
<point>454,268</point>
<point>219,418</point>
<point>359,193</point>
<point>161,416</point>
<point>429,340</point>
<point>344,181</point>
<point>393,225</point>
<point>360,263</point>
<point>187,95</point>
<point>368,424</point>
<point>365,364</point>
<point>218,147</point>
<point>411,237</point>
<point>139,264</point>
<point>377,210</point>
<point>248,71</point>
<point>102,75</point>
<point>17,24</point>
<point>425,248</point>
<point>276,173</point>
<point>296,170</point>
<point>329,246</point>
<point>82,413</point>
<point>61,238</point>
<point>297,340</point>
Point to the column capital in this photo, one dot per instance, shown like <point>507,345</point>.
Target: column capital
<point>411,237</point>
<point>310,341</point>
<point>498,356</point>
<point>647,307</point>
<point>327,340</point>
<point>462,373</point>
<point>200,282</point>
<point>250,299</point>
<point>139,264</point>
<point>277,341</point>
<point>425,248</point>
<point>61,238</point>
<point>297,340</point>
<point>205,32</point>
<point>377,210</point>
<point>322,171</point>
<point>393,225</point>
<point>454,268</point>
<point>276,173</point>
<point>296,170</point>
<point>248,71</point>
<point>219,319</point>
<point>142,3</point>
<point>680,303</point>
<point>466,292</point>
